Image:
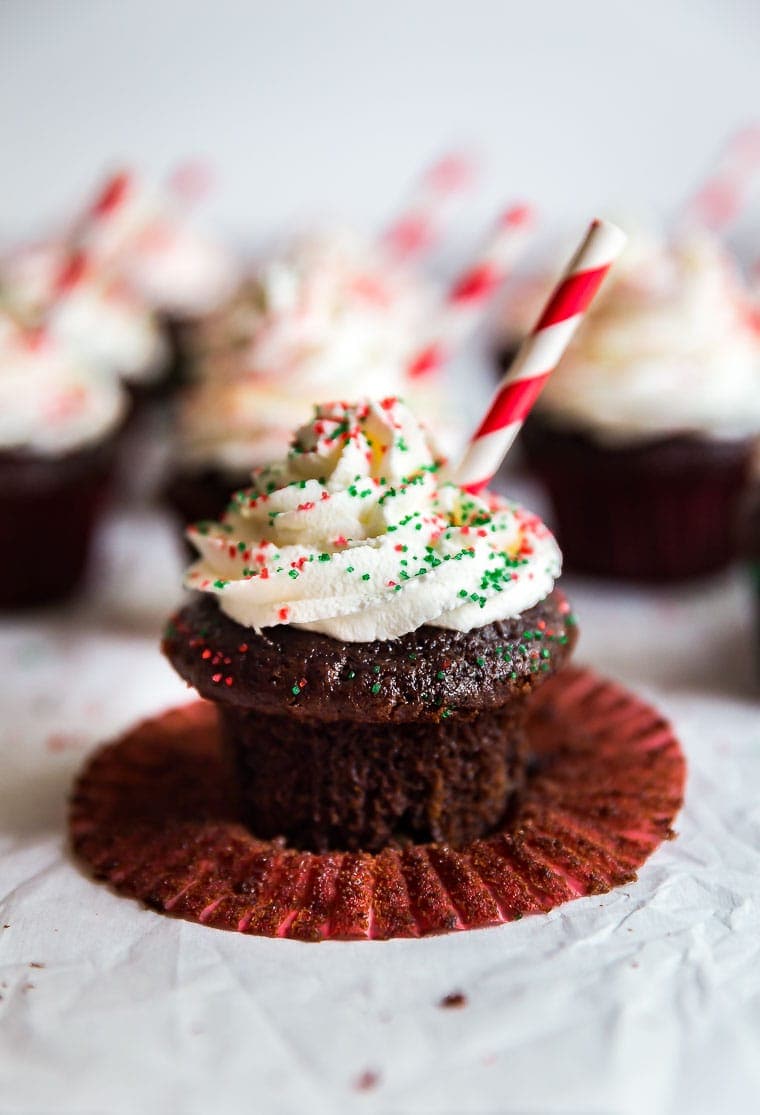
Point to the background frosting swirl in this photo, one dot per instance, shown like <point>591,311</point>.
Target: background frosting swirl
<point>357,536</point>
<point>671,346</point>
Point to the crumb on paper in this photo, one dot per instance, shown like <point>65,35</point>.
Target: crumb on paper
<point>453,1001</point>
<point>366,1081</point>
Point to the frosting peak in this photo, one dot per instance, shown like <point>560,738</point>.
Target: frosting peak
<point>357,535</point>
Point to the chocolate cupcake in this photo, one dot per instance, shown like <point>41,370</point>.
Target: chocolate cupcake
<point>88,310</point>
<point>328,313</point>
<point>58,437</point>
<point>146,236</point>
<point>644,433</point>
<point>370,635</point>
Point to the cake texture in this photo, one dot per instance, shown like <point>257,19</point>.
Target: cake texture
<point>359,745</point>
<point>369,633</point>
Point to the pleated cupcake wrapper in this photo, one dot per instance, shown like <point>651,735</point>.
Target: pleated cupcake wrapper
<point>153,815</point>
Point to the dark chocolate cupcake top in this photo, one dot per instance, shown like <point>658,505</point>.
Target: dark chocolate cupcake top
<point>358,536</point>
<point>430,673</point>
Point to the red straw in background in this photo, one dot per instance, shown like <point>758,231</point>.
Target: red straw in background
<point>418,227</point>
<point>539,355</point>
<point>720,200</point>
<point>190,182</point>
<point>475,287</point>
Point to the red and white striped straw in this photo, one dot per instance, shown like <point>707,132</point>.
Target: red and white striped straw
<point>721,198</point>
<point>78,258</point>
<point>418,227</point>
<point>539,355</point>
<point>474,288</point>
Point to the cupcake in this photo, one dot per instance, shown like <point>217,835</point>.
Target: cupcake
<point>644,433</point>
<point>147,237</point>
<point>329,317</point>
<point>58,426</point>
<point>370,635</point>
<point>87,310</point>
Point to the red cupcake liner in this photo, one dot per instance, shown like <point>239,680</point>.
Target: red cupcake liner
<point>155,815</point>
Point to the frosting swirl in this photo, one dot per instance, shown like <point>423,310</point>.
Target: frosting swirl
<point>49,402</point>
<point>670,347</point>
<point>327,314</point>
<point>98,320</point>
<point>357,536</point>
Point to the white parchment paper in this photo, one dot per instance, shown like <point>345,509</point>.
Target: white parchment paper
<point>646,1000</point>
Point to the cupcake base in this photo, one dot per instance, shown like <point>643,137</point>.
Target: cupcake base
<point>156,816</point>
<point>356,745</point>
<point>203,494</point>
<point>347,785</point>
<point>49,508</point>
<point>663,511</point>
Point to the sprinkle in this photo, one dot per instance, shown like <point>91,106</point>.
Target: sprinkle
<point>216,678</point>
<point>365,576</point>
<point>376,687</point>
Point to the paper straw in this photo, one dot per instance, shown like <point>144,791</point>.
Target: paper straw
<point>539,355</point>
<point>722,197</point>
<point>474,288</point>
<point>418,227</point>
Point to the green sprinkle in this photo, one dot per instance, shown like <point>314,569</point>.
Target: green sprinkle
<point>376,687</point>
<point>365,576</point>
<point>293,573</point>
<point>295,690</point>
<point>324,557</point>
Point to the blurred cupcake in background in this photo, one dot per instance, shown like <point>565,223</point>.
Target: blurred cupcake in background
<point>90,312</point>
<point>59,422</point>
<point>333,315</point>
<point>329,317</point>
<point>645,432</point>
<point>150,237</point>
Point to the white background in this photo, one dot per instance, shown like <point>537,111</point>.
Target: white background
<point>312,105</point>
<point>643,1002</point>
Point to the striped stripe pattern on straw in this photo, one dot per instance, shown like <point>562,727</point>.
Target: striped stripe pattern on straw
<point>539,355</point>
<point>473,289</point>
<point>418,227</point>
<point>721,198</point>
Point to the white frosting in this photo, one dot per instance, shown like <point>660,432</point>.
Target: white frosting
<point>354,535</point>
<point>669,347</point>
<point>97,319</point>
<point>49,402</point>
<point>329,318</point>
<point>149,239</point>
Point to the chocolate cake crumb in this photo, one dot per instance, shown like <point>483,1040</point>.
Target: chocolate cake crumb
<point>453,1001</point>
<point>367,1081</point>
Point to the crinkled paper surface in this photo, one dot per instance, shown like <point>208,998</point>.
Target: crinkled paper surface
<point>643,1000</point>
